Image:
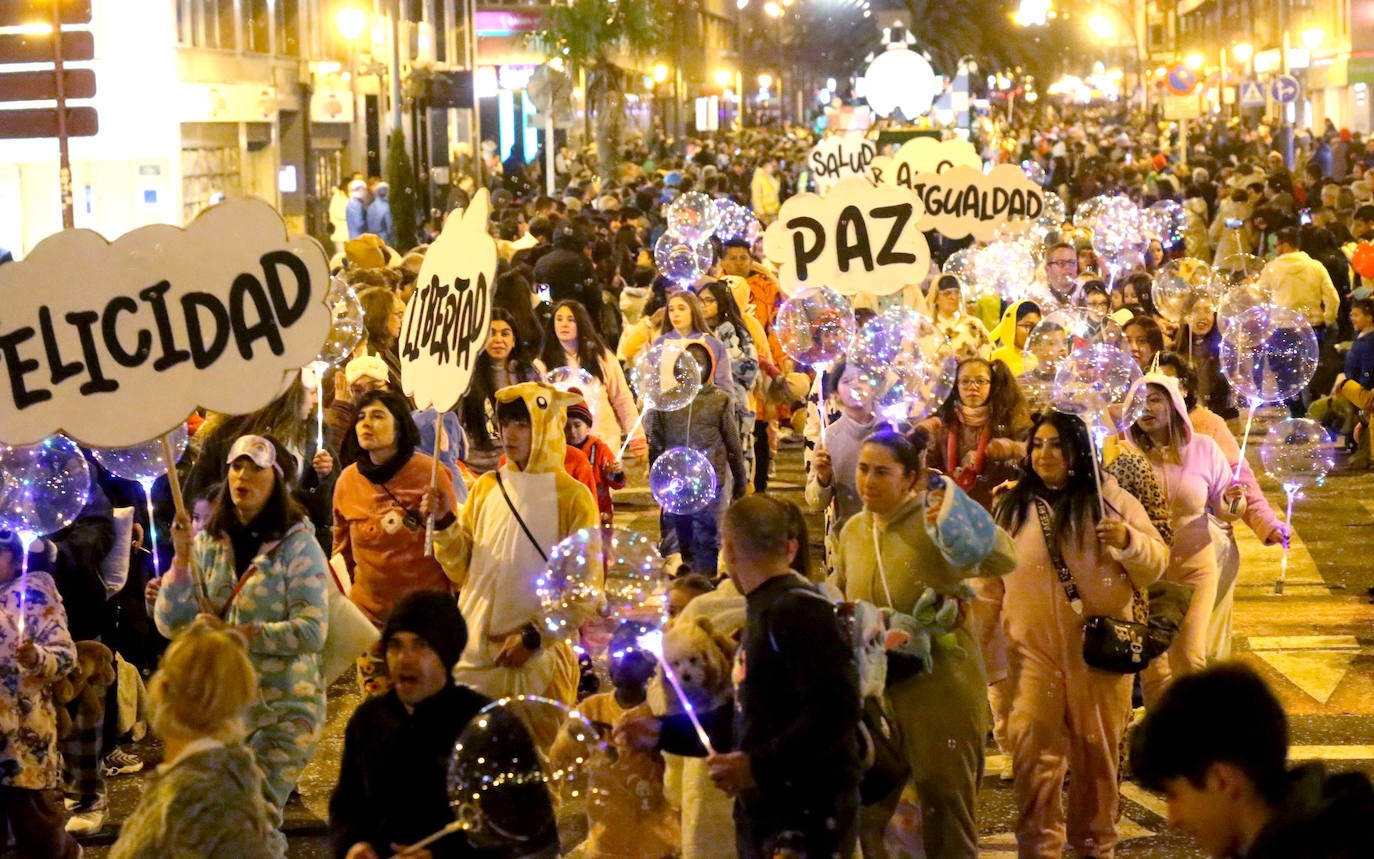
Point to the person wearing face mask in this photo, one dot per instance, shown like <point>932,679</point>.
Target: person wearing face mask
<point>1064,714</point>
<point>905,547</point>
<point>257,567</point>
<point>1195,478</point>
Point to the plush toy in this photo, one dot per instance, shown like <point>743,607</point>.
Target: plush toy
<point>85,685</point>
<point>911,638</point>
<point>701,659</point>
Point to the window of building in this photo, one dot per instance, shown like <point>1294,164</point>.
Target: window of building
<point>288,27</point>
<point>257,26</point>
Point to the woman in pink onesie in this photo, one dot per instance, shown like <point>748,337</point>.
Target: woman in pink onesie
<point>1065,715</point>
<point>1262,519</point>
<point>1196,479</point>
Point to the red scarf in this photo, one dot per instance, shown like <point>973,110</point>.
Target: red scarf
<point>965,476</point>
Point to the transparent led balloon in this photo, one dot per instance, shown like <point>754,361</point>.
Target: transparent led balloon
<point>518,777</point>
<point>1089,211</point>
<point>1178,285</point>
<point>1268,354</point>
<point>1235,269</point>
<point>42,486</point>
<point>733,220</point>
<point>1035,172</point>
<point>142,463</point>
<point>683,481</point>
<point>667,377</point>
<point>1169,221</point>
<point>681,261</point>
<point>1058,334</point>
<point>1092,379</point>
<point>571,378</point>
<point>345,323</point>
<point>633,579</point>
<point>1005,269</point>
<point>569,589</point>
<point>1298,452</point>
<point>1054,210</point>
<point>1119,230</point>
<point>1243,296</point>
<point>905,366</point>
<point>959,264</point>
<point>693,217</point>
<point>815,327</point>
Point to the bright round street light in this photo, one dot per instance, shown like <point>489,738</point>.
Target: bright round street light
<point>660,72</point>
<point>723,76</point>
<point>1101,27</point>
<point>765,80</point>
<point>1313,37</point>
<point>351,23</point>
<point>773,9</point>
<point>1194,61</point>
<point>1242,52</point>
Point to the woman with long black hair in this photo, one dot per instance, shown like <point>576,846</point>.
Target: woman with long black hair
<point>1072,562</point>
<point>571,340</point>
<point>506,360</point>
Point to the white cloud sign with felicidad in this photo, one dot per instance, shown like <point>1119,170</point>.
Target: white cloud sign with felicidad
<point>115,343</point>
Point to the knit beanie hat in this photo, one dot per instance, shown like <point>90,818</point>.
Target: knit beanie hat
<point>434,616</point>
<point>580,411</point>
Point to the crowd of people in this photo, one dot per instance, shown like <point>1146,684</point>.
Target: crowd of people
<point>981,535</point>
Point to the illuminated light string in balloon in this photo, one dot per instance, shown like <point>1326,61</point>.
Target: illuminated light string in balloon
<point>345,333</point>
<point>906,366</point>
<point>1269,355</point>
<point>815,328</point>
<point>667,377</point>
<point>143,464</point>
<point>43,488</point>
<point>1296,452</point>
<point>1089,381</point>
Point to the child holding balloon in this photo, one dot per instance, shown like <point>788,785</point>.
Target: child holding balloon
<point>709,425</point>
<point>32,656</point>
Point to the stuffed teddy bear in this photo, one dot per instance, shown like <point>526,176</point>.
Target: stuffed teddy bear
<point>86,685</point>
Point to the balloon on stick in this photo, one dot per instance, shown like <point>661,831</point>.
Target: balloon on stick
<point>816,327</point>
<point>693,217</point>
<point>1089,381</point>
<point>682,261</point>
<point>43,488</point>
<point>1268,354</point>
<point>1178,285</point>
<point>1296,452</point>
<point>683,481</point>
<point>667,377</point>
<point>143,464</point>
<point>906,366</point>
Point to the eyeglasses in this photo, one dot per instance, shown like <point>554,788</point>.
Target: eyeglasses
<point>975,383</point>
<point>1063,262</point>
<point>1026,326</point>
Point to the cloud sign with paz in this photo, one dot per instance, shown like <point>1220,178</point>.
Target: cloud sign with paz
<point>115,343</point>
<point>860,237</point>
<point>448,318</point>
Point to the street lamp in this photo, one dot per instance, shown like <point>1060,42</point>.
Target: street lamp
<point>1101,27</point>
<point>1243,52</point>
<point>1193,61</point>
<point>765,80</point>
<point>1312,37</point>
<point>351,23</point>
<point>723,77</point>
<point>660,73</point>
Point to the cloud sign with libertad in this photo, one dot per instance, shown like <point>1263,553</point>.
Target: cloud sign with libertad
<point>114,343</point>
<point>448,317</point>
<point>859,237</point>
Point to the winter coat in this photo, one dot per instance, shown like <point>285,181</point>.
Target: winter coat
<point>708,425</point>
<point>29,758</point>
<point>1301,283</point>
<point>1321,817</point>
<point>1261,518</point>
<point>207,803</point>
<point>393,775</point>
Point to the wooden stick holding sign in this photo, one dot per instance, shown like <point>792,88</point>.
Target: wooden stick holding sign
<point>447,321</point>
<point>173,479</point>
<point>434,482</point>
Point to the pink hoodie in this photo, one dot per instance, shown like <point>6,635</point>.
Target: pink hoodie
<point>1258,514</point>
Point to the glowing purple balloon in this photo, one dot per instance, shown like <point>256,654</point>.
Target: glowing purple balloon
<point>683,481</point>
<point>816,326</point>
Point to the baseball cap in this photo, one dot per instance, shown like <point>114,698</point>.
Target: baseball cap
<point>257,449</point>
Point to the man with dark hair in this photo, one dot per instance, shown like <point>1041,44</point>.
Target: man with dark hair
<point>1299,282</point>
<point>794,770</point>
<point>391,788</point>
<point>568,270</point>
<point>1362,223</point>
<point>1216,745</point>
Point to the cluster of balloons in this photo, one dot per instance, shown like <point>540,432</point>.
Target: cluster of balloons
<point>668,378</point>
<point>1059,333</point>
<point>590,575</point>
<point>906,366</point>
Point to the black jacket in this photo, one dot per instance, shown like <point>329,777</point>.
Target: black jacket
<point>393,778</point>
<point>81,548</point>
<point>1322,817</point>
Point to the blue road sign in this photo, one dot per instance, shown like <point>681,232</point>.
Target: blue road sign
<point>1251,94</point>
<point>1182,80</point>
<point>1285,89</point>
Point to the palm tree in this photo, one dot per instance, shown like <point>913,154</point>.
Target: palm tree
<point>596,36</point>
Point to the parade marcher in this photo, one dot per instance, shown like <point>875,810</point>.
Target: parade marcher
<point>396,749</point>
<point>685,322</point>
<point>505,360</point>
<point>500,544</point>
<point>887,557</point>
<point>1194,475</point>
<point>571,340</point>
<point>258,567</point>
<point>606,470</point>
<point>967,335</point>
<point>30,664</point>
<point>1061,274</point>
<point>1018,321</point>
<point>206,798</point>
<point>830,482</point>
<point>979,435</point>
<point>1065,715</point>
<point>725,322</point>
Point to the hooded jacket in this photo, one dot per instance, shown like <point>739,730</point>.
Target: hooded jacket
<point>496,574</point>
<point>1004,335</point>
<point>1193,485</point>
<point>1301,283</point>
<point>709,425</point>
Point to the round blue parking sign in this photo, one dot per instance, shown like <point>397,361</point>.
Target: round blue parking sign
<point>1182,80</point>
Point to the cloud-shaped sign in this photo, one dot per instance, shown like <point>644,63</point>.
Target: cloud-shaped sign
<point>962,201</point>
<point>924,155</point>
<point>860,237</point>
<point>116,343</point>
<point>448,317</point>
<point>837,157</point>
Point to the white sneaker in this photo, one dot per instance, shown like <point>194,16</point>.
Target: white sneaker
<point>87,822</point>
